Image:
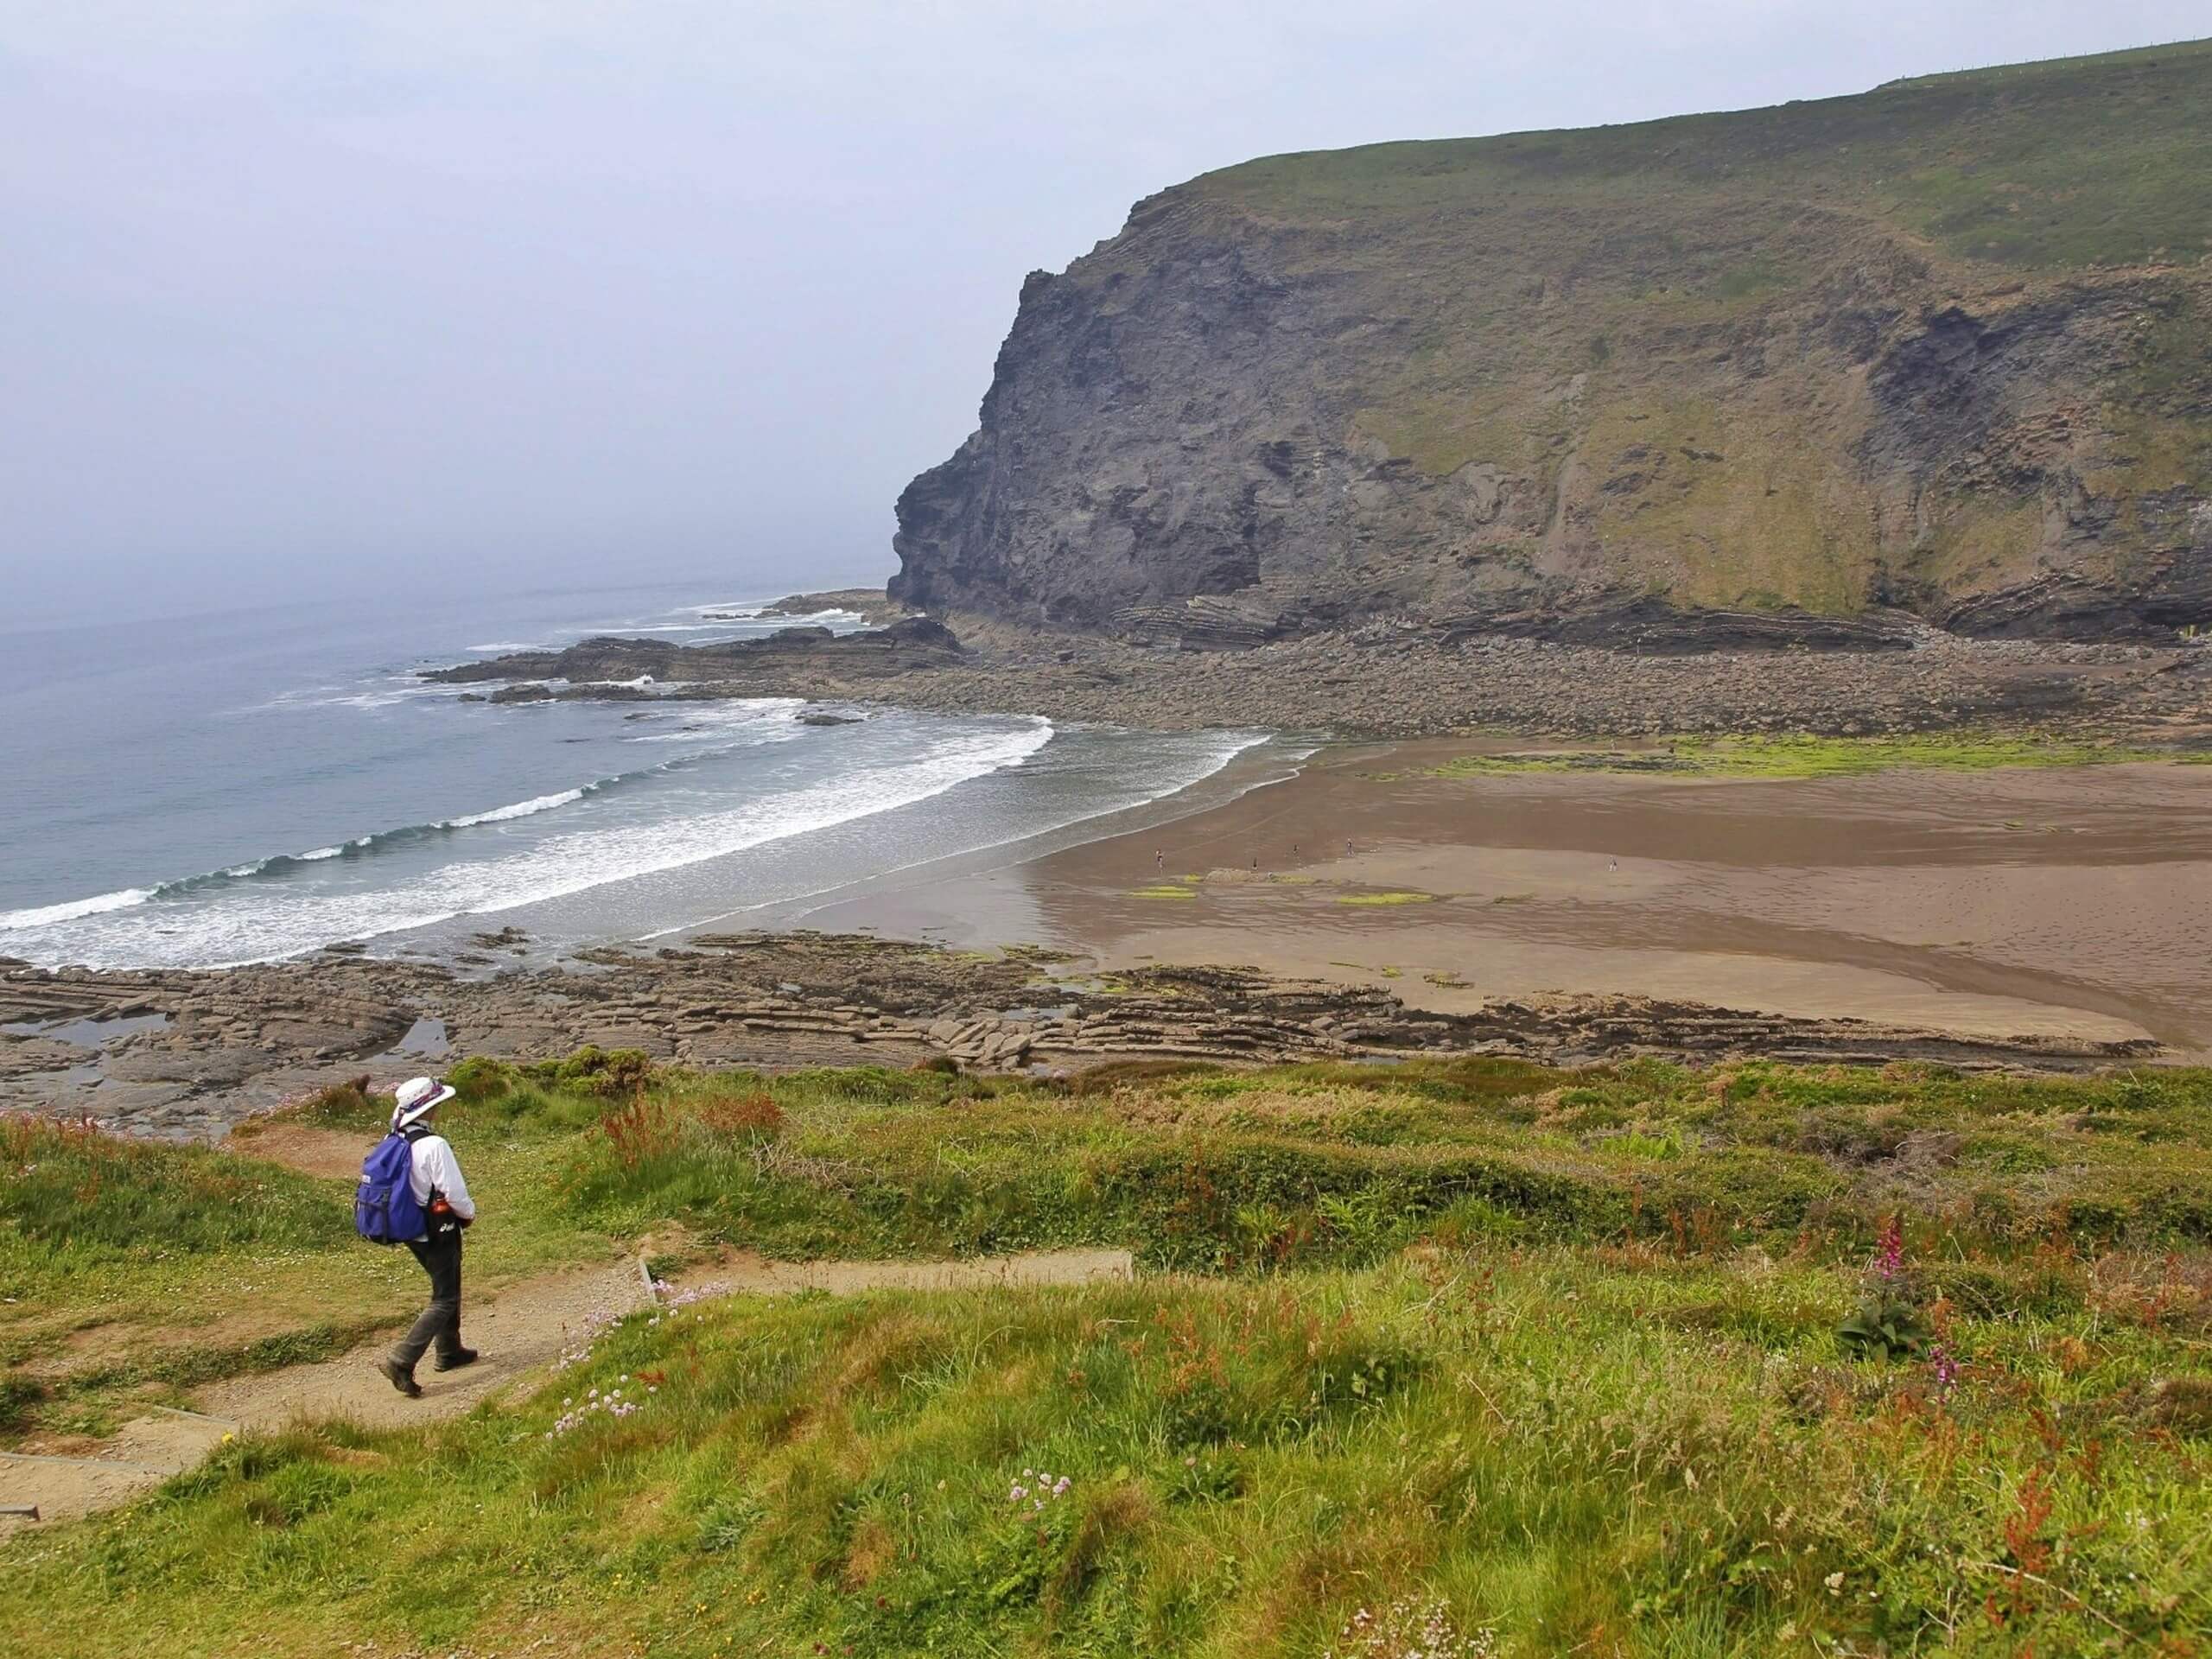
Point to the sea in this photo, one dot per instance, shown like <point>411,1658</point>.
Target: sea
<point>254,785</point>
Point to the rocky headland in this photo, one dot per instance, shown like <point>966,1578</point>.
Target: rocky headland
<point>1868,414</point>
<point>1937,353</point>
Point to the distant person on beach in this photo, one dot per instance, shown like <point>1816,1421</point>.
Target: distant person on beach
<point>437,1185</point>
<point>1159,859</point>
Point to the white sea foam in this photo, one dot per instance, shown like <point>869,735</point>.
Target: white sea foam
<point>265,920</point>
<point>705,719</point>
<point>75,910</point>
<point>523,809</point>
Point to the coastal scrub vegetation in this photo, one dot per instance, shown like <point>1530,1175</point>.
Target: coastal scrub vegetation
<point>1633,1359</point>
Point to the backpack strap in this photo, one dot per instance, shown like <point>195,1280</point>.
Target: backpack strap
<point>437,1220</point>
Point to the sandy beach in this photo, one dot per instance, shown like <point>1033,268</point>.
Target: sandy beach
<point>1339,900</point>
<point>2068,901</point>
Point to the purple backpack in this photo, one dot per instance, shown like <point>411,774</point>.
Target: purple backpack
<point>386,1211</point>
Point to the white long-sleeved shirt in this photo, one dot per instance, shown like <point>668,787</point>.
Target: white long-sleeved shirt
<point>434,1166</point>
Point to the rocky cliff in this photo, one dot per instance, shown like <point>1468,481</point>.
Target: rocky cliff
<point>1939,353</point>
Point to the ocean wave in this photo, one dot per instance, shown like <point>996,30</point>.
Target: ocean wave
<point>281,864</point>
<point>259,920</point>
<point>535,804</point>
<point>75,910</point>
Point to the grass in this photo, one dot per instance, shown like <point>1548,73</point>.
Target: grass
<point>130,1270</point>
<point>1544,1359</point>
<point>76,1200</point>
<point>1340,1165</point>
<point>2072,163</point>
<point>1629,1453</point>
<point>1807,756</point>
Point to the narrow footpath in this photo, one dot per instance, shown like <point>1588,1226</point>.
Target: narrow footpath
<point>520,1331</point>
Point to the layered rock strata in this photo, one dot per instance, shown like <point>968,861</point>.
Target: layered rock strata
<point>230,1044</point>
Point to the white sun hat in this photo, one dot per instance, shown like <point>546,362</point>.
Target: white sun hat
<point>417,1096</point>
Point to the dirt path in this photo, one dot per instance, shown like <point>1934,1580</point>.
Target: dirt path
<point>519,1332</point>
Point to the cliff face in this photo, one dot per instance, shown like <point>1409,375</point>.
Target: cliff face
<point>1945,348</point>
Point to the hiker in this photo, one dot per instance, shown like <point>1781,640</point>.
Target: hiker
<point>435,1183</point>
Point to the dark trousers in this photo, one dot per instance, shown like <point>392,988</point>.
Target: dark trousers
<point>440,1323</point>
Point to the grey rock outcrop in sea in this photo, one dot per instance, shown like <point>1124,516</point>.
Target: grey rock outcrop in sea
<point>606,666</point>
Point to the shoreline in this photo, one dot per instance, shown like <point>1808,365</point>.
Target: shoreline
<point>1990,904</point>
<point>1334,894</point>
<point>1989,917</point>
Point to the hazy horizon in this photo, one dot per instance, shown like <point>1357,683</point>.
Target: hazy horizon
<point>314,300</point>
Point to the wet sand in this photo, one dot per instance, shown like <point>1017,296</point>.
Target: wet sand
<point>2073,901</point>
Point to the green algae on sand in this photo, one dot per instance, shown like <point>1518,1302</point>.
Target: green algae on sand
<point>1803,757</point>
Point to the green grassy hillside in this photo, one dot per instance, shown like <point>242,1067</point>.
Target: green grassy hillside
<point>2070,164</point>
<point>1468,1358</point>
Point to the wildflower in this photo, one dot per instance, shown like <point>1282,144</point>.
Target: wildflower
<point>1889,1259</point>
<point>1946,1369</point>
<point>1834,1582</point>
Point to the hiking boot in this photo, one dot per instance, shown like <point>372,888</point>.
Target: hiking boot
<point>453,1361</point>
<point>401,1377</point>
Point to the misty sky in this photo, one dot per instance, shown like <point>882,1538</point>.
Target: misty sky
<point>302,298</point>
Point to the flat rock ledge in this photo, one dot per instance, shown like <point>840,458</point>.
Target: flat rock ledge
<point>182,1055</point>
